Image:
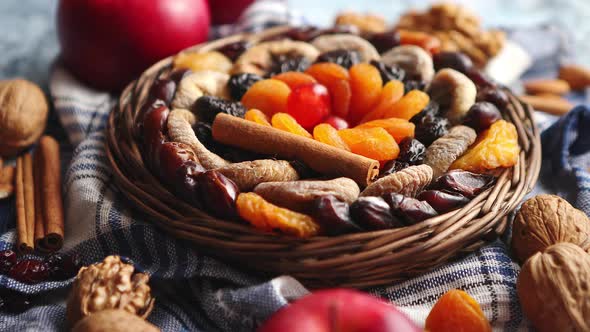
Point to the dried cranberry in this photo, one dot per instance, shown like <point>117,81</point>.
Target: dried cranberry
<point>238,84</point>
<point>411,151</point>
<point>463,182</point>
<point>481,116</point>
<point>392,166</point>
<point>218,194</point>
<point>494,96</point>
<point>410,85</point>
<point>7,260</point>
<point>443,201</point>
<point>162,89</point>
<point>344,58</point>
<point>388,73</point>
<point>62,267</point>
<point>284,62</point>
<point>333,215</point>
<point>234,50</point>
<point>29,271</point>
<point>373,213</point>
<point>207,107</point>
<point>385,41</point>
<point>408,209</point>
<point>177,75</point>
<point>454,60</point>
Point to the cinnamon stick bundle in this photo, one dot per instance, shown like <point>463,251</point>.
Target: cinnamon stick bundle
<point>320,157</point>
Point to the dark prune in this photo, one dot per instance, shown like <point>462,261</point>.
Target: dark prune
<point>463,182</point>
<point>385,41</point>
<point>162,89</point>
<point>443,201</point>
<point>207,107</point>
<point>410,85</point>
<point>234,50</point>
<point>218,194</point>
<point>373,213</point>
<point>62,267</point>
<point>482,115</point>
<point>177,75</point>
<point>411,151</point>
<point>454,60</point>
<point>388,73</point>
<point>429,128</point>
<point>7,260</point>
<point>393,166</point>
<point>344,58</point>
<point>407,209</point>
<point>304,171</point>
<point>333,215</point>
<point>480,79</point>
<point>494,96</point>
<point>205,136</point>
<point>238,84</point>
<point>29,271</point>
<point>284,62</point>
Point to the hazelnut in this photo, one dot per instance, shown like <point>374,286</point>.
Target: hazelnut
<point>23,115</point>
<point>553,289</point>
<point>110,284</point>
<point>113,320</point>
<point>545,220</point>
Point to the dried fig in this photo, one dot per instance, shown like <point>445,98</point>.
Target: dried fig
<point>249,174</point>
<point>442,152</point>
<point>454,92</point>
<point>415,61</point>
<point>408,182</point>
<point>329,43</point>
<point>198,84</point>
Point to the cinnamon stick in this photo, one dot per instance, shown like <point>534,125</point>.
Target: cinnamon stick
<point>51,195</point>
<point>29,197</point>
<point>320,157</point>
<point>25,243</point>
<point>6,181</point>
<point>39,214</point>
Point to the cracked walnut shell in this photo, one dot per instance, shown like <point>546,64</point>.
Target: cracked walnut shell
<point>110,284</point>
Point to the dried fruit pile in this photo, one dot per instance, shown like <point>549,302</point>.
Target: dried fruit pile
<point>363,94</point>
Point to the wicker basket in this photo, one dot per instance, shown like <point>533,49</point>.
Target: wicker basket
<point>355,260</point>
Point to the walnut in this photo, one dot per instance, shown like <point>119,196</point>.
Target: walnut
<point>545,220</point>
<point>553,289</point>
<point>113,320</point>
<point>110,284</point>
<point>23,115</point>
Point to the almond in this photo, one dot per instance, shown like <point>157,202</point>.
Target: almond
<point>578,77</point>
<point>557,87</point>
<point>551,105</point>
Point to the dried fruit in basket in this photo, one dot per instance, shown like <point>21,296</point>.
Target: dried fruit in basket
<point>493,95</point>
<point>269,96</point>
<point>203,61</point>
<point>344,58</point>
<point>374,143</point>
<point>445,150</point>
<point>238,84</point>
<point>457,311</point>
<point>443,201</point>
<point>333,215</point>
<point>327,134</point>
<point>397,128</point>
<point>309,104</point>
<point>481,116</point>
<point>373,213</point>
<point>408,182</point>
<point>389,73</point>
<point>411,151</point>
<point>454,60</point>
<point>257,116</point>
<point>429,127</point>
<point>464,183</point>
<point>496,147</point>
<point>392,166</point>
<point>391,93</point>
<point>248,174</point>
<point>407,209</point>
<point>408,106</point>
<point>268,217</point>
<point>365,85</point>
<point>295,79</point>
<point>284,121</point>
<point>207,107</point>
<point>336,79</point>
<point>218,194</point>
<point>454,92</point>
<point>426,41</point>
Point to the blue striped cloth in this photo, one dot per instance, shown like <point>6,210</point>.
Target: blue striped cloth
<point>197,293</point>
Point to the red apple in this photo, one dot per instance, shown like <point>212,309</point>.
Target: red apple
<point>227,11</point>
<point>107,43</point>
<point>339,310</point>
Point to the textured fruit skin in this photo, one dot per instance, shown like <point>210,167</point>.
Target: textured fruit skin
<point>284,121</point>
<point>193,61</point>
<point>295,79</point>
<point>269,96</point>
<point>285,63</point>
<point>482,115</point>
<point>238,84</point>
<point>391,93</point>
<point>333,216</point>
<point>497,147</point>
<point>309,104</point>
<point>443,201</point>
<point>373,213</point>
<point>268,217</point>
<point>257,116</point>
<point>207,107</point>
<point>374,143</point>
<point>411,151</point>
<point>365,86</point>
<point>385,41</point>
<point>218,194</point>
<point>118,38</point>
<point>408,209</point>
<point>344,58</point>
<point>336,79</point>
<point>408,106</point>
<point>392,166</point>
<point>388,73</point>
<point>455,60</point>
<point>397,128</point>
<point>457,311</point>
<point>494,96</point>
<point>463,183</point>
<point>327,134</point>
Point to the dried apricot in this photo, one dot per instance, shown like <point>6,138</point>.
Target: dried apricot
<point>397,128</point>
<point>457,311</point>
<point>294,79</point>
<point>327,134</point>
<point>375,143</point>
<point>284,121</point>
<point>326,72</point>
<point>495,147</point>
<point>268,217</point>
<point>335,78</point>
<point>203,61</point>
<point>269,96</point>
<point>428,42</point>
<point>410,104</point>
<point>365,85</point>
<point>391,93</point>
<point>257,116</point>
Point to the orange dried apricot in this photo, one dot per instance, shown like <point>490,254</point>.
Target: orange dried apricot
<point>397,128</point>
<point>410,104</point>
<point>365,85</point>
<point>495,147</point>
<point>294,79</point>
<point>374,143</point>
<point>457,311</point>
<point>203,61</point>
<point>327,134</point>
<point>257,116</point>
<point>391,93</point>
<point>284,121</point>
<point>268,217</point>
<point>335,78</point>
<point>428,42</point>
<point>269,96</point>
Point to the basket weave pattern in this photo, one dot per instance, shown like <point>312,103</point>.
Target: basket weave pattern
<point>354,260</point>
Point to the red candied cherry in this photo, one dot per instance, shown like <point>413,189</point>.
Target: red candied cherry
<point>336,122</point>
<point>309,104</point>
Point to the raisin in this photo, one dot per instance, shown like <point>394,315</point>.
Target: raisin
<point>373,213</point>
<point>464,183</point>
<point>393,166</point>
<point>389,73</point>
<point>218,194</point>
<point>29,271</point>
<point>429,128</point>
<point>238,84</point>
<point>333,215</point>
<point>234,50</point>
<point>384,41</point>
<point>7,260</point>
<point>207,107</point>
<point>455,60</point>
<point>410,85</point>
<point>443,201</point>
<point>411,151</point>
<point>494,96</point>
<point>482,115</point>
<point>407,209</point>
<point>283,63</point>
<point>344,58</point>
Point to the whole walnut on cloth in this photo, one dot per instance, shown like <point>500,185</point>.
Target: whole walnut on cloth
<point>23,115</point>
<point>545,220</point>
<point>110,284</point>
<point>113,320</point>
<point>553,289</point>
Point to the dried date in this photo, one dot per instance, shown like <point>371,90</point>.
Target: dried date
<point>443,201</point>
<point>218,194</point>
<point>465,183</point>
<point>333,215</point>
<point>408,209</point>
<point>373,213</point>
